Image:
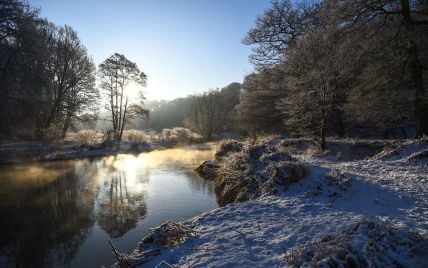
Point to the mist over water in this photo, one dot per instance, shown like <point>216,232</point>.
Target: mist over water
<point>62,213</point>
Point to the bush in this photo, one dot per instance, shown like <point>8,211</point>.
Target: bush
<point>107,138</point>
<point>179,135</point>
<point>244,171</point>
<point>136,137</point>
<point>228,147</point>
<point>85,138</point>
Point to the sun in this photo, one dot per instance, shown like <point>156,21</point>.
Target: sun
<point>133,91</point>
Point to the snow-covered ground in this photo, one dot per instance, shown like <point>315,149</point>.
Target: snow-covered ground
<point>375,210</point>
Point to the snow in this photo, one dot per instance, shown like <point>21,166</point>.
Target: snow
<point>385,190</point>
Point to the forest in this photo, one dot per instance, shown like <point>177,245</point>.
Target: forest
<point>329,68</point>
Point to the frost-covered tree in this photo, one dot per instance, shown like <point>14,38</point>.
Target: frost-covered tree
<point>207,113</point>
<point>407,20</point>
<point>257,111</point>
<point>315,79</point>
<point>116,74</point>
<point>46,75</point>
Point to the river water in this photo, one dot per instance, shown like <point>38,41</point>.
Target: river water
<point>62,213</point>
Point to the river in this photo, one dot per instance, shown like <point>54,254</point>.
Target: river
<point>62,213</point>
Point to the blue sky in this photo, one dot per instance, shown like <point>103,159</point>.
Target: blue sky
<point>184,46</point>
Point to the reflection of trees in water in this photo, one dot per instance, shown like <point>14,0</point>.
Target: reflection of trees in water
<point>47,209</point>
<point>47,219</point>
<point>198,184</point>
<point>121,209</point>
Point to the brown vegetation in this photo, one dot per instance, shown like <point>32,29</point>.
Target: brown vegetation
<point>244,171</point>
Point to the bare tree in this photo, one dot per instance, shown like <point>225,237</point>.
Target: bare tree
<point>207,113</point>
<point>18,22</point>
<point>276,29</point>
<point>314,84</point>
<point>46,76</point>
<point>409,20</point>
<point>257,111</point>
<point>72,76</point>
<point>116,74</point>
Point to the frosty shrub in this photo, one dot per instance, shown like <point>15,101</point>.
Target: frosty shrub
<point>107,137</point>
<point>301,146</point>
<point>135,137</point>
<point>365,244</point>
<point>167,234</point>
<point>179,135</point>
<point>87,137</point>
<point>50,134</point>
<point>244,171</point>
<point>227,147</point>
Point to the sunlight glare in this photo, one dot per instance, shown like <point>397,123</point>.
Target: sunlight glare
<point>133,92</point>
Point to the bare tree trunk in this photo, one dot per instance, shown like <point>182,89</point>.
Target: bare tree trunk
<point>403,131</point>
<point>416,72</point>
<point>66,125</point>
<point>341,126</point>
<point>323,126</point>
<point>123,119</point>
<point>52,113</point>
<point>121,116</point>
<point>117,120</point>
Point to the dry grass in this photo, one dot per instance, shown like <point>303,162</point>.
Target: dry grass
<point>179,135</point>
<point>136,137</point>
<point>168,234</point>
<point>365,244</point>
<point>247,170</point>
<point>84,138</point>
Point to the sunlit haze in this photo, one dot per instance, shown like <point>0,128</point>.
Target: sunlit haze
<point>183,46</point>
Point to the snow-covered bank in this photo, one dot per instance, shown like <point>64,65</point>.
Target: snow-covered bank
<point>18,152</point>
<point>364,211</point>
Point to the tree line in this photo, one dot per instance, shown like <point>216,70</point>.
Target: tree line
<point>209,113</point>
<point>333,67</point>
<point>338,67</point>
<point>47,79</point>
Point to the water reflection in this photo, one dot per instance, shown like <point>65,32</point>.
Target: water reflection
<point>120,208</point>
<point>46,212</point>
<point>62,213</point>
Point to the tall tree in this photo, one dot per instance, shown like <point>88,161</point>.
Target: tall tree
<point>117,73</point>
<point>315,81</point>
<point>207,113</point>
<point>409,20</point>
<point>18,23</point>
<point>72,77</point>
<point>278,27</point>
<point>46,77</point>
<point>257,109</point>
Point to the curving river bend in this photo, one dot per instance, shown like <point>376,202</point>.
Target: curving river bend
<point>62,213</point>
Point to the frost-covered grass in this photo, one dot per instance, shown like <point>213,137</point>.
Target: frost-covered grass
<point>350,211</point>
<point>244,171</point>
<point>179,135</point>
<point>137,137</point>
<point>84,137</point>
<point>90,143</point>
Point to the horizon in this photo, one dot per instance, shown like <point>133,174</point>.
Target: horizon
<point>184,47</point>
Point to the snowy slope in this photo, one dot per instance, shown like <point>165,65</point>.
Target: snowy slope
<point>332,199</point>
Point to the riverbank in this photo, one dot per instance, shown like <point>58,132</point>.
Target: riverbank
<point>363,203</point>
<point>89,143</point>
<point>19,152</point>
